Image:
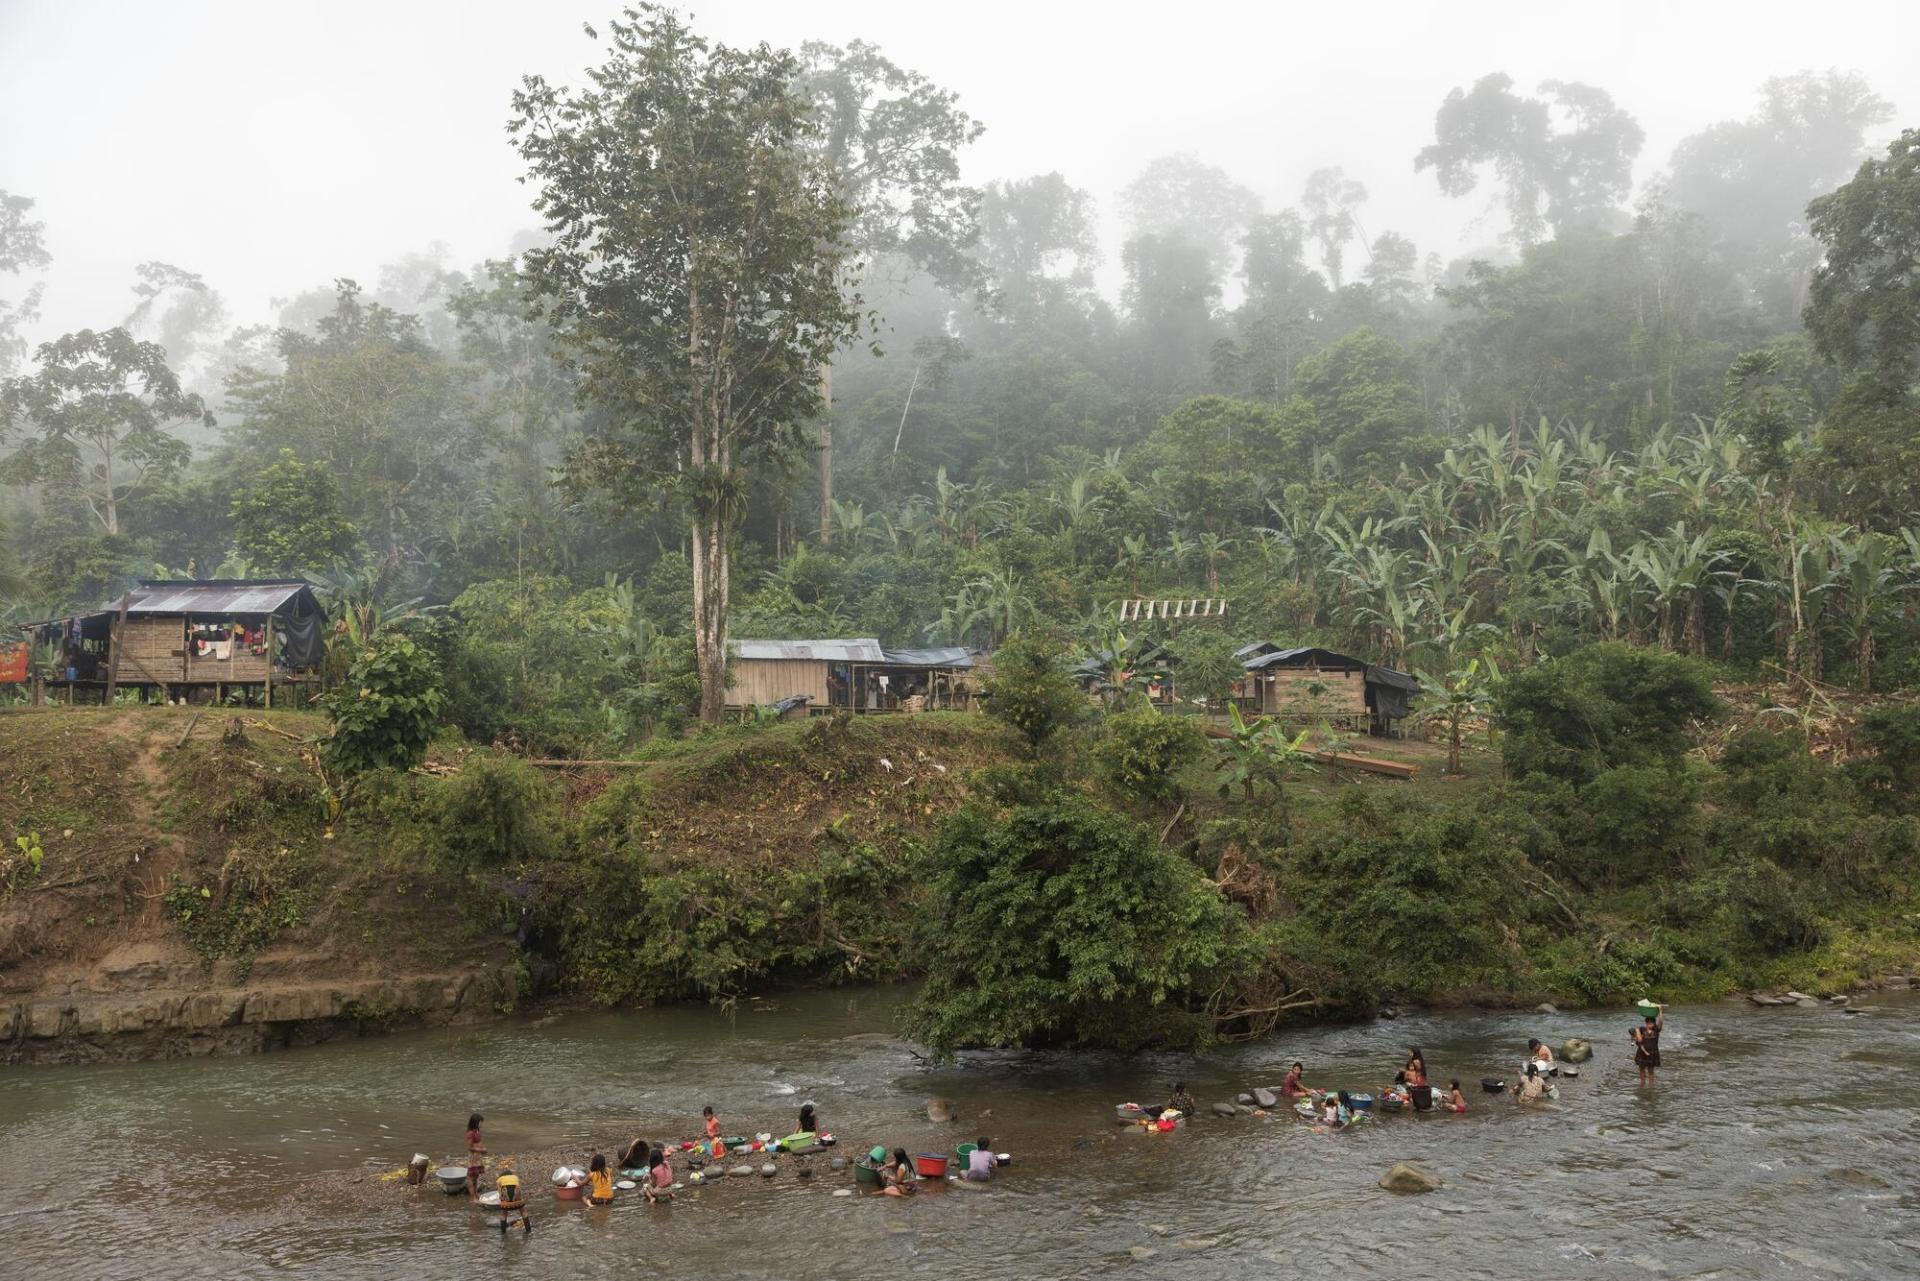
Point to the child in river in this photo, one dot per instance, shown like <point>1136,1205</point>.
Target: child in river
<point>1646,1044</point>
<point>898,1178</point>
<point>980,1162</point>
<point>1291,1088</point>
<point>476,1154</point>
<point>1456,1101</point>
<point>599,1181</point>
<point>658,1184</point>
<point>809,1122</point>
<point>712,1123</point>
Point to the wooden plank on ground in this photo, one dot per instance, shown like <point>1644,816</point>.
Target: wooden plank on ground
<point>1371,764</point>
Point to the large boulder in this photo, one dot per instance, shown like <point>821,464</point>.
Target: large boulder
<point>1575,1050</point>
<point>1406,1179</point>
<point>940,1111</point>
<point>1225,1109</point>
<point>1264,1098</point>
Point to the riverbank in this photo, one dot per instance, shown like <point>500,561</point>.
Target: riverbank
<point>203,889</point>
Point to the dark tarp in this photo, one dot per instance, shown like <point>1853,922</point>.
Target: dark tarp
<point>303,644</point>
<point>1392,692</point>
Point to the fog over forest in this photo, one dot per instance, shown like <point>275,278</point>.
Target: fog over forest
<point>272,148</point>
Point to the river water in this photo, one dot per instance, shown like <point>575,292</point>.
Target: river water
<point>1779,1143</point>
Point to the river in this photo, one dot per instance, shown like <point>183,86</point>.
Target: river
<point>1780,1143</point>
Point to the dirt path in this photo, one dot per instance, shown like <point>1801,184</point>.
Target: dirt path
<point>162,853</point>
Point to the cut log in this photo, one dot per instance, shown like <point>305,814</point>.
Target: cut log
<point>1371,764</point>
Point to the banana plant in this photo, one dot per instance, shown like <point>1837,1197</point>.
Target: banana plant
<point>1257,754</point>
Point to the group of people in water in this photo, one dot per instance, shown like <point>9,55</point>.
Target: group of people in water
<point>653,1162</point>
<point>1411,1088</point>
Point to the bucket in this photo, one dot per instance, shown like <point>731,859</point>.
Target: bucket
<point>575,1193</point>
<point>1647,1008</point>
<point>866,1173</point>
<point>1360,1102</point>
<point>417,1169</point>
<point>930,1165</point>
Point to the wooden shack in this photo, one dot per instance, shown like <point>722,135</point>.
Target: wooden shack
<point>189,639</point>
<point>812,677</point>
<point>1309,686</point>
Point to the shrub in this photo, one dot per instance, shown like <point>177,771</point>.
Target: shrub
<point>384,713</point>
<point>1058,922</point>
<point>488,814</point>
<point>1750,907</point>
<point>1420,898</point>
<point>1142,753</point>
<point>1606,705</point>
<point>1031,691</point>
<point>1889,773</point>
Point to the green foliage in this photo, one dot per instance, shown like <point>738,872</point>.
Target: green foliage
<point>1056,922</point>
<point>1410,899</point>
<point>1864,315</point>
<point>288,521</point>
<point>490,814</point>
<point>1889,772</point>
<point>102,410</point>
<point>1031,691</point>
<point>1572,718</point>
<point>237,913</point>
<point>1208,666</point>
<point>1141,753</point>
<point>20,867</point>
<point>385,711</point>
<point>1748,907</point>
<point>713,932</point>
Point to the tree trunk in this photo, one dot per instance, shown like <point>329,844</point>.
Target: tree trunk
<point>826,454</point>
<point>710,610</point>
<point>1865,661</point>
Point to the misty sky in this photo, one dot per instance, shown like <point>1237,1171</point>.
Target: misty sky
<point>273,146</point>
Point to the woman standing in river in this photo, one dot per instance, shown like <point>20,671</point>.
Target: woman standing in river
<point>1646,1044</point>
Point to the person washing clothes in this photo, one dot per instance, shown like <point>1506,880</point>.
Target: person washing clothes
<point>981,1161</point>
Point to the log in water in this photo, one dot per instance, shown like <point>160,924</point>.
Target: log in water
<point>1780,1143</point>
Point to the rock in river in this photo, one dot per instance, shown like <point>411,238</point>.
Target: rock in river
<point>1243,1099</point>
<point>940,1111</point>
<point>1575,1050</point>
<point>1405,1178</point>
<point>1264,1098</point>
<point>1225,1109</point>
<point>1546,1007</point>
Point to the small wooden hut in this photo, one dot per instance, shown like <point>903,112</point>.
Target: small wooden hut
<point>1312,686</point>
<point>189,639</point>
<point>812,677</point>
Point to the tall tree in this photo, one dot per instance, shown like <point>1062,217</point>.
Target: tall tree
<point>1566,159</point>
<point>1037,241</point>
<point>1331,200</point>
<point>177,309</point>
<point>1863,313</point>
<point>1182,196</point>
<point>1751,179</point>
<point>891,139</point>
<point>697,276</point>
<point>98,420</point>
<point>22,248</point>
<point>370,398</point>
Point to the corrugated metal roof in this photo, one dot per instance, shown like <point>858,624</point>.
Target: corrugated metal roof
<point>856,650</point>
<point>955,656</point>
<point>212,597</point>
<point>1281,657</point>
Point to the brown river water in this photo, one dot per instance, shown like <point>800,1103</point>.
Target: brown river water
<point>1779,1143</point>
